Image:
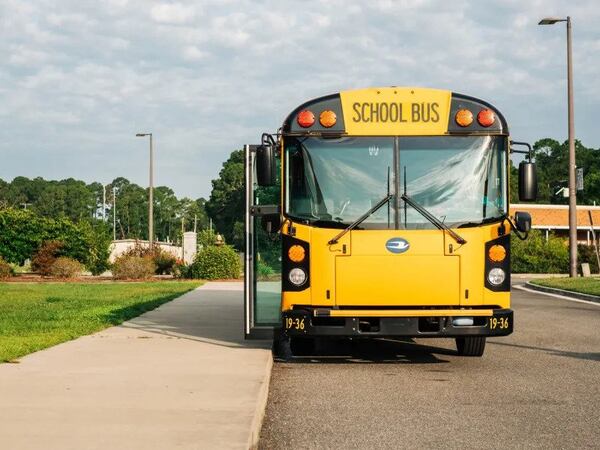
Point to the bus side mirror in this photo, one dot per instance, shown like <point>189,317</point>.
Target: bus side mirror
<point>271,223</point>
<point>528,185</point>
<point>265,165</point>
<point>523,221</point>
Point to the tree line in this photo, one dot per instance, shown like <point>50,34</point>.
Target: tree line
<point>81,202</point>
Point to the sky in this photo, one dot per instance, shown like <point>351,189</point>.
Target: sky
<point>79,78</point>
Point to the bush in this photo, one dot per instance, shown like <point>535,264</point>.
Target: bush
<point>535,255</point>
<point>206,238</point>
<point>22,233</point>
<point>6,271</point>
<point>133,268</point>
<point>263,270</point>
<point>215,262</point>
<point>163,261</point>
<point>65,267</point>
<point>587,254</point>
<point>45,257</point>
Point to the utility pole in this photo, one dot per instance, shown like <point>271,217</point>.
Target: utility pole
<point>195,222</point>
<point>103,203</point>
<point>572,164</point>
<point>151,191</point>
<point>114,214</point>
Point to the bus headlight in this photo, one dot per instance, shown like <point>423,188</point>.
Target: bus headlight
<point>297,276</point>
<point>496,276</point>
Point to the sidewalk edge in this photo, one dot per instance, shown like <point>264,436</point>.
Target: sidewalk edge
<point>261,406</point>
<point>571,294</point>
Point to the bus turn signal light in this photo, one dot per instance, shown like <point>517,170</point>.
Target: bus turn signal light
<point>296,253</point>
<point>306,118</point>
<point>486,117</point>
<point>327,118</point>
<point>464,117</point>
<point>497,253</point>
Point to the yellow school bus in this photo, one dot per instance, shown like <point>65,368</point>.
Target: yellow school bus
<point>382,212</point>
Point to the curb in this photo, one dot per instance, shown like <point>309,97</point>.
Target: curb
<point>261,406</point>
<point>576,295</point>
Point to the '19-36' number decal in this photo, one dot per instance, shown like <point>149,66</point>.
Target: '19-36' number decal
<point>296,324</point>
<point>498,322</point>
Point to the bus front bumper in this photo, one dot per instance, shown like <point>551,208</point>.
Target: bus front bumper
<point>313,322</point>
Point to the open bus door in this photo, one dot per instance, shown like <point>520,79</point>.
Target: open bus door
<point>262,260</point>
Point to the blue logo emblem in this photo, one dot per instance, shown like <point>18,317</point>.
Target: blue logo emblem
<point>397,245</point>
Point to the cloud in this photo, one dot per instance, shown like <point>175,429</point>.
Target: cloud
<point>86,76</point>
<point>172,13</point>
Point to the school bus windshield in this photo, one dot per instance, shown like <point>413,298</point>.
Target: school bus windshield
<point>459,179</point>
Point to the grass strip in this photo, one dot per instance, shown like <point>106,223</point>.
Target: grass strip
<point>34,316</point>
<point>588,285</point>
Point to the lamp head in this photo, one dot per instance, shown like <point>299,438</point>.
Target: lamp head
<point>551,20</point>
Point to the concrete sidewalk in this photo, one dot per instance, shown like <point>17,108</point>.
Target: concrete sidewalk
<point>180,376</point>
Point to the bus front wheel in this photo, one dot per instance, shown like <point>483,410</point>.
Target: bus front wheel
<point>470,345</point>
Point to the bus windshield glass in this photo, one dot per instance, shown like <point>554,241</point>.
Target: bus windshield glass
<point>461,180</point>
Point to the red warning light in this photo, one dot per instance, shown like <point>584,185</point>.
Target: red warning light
<point>306,118</point>
<point>486,117</point>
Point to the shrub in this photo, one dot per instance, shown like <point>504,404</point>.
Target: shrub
<point>65,267</point>
<point>22,232</point>
<point>6,270</point>
<point>163,261</point>
<point>535,255</point>
<point>46,256</point>
<point>133,267</point>
<point>216,262</point>
<point>587,254</point>
<point>207,238</point>
<point>263,270</point>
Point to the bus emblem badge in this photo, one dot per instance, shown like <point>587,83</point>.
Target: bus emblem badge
<point>397,245</point>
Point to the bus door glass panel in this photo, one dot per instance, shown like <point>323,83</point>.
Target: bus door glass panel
<point>335,181</point>
<point>460,180</point>
<point>267,262</point>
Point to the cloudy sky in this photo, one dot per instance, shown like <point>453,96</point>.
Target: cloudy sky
<point>78,78</point>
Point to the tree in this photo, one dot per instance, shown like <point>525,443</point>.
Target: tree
<point>226,203</point>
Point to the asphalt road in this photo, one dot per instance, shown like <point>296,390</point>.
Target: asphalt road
<point>538,388</point>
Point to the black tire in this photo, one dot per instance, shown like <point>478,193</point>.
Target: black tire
<point>281,346</point>
<point>470,345</point>
<point>302,346</point>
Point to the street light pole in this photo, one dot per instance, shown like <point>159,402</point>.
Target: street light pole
<point>572,163</point>
<point>151,191</point>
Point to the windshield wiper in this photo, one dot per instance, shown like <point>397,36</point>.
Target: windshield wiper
<point>361,219</point>
<point>434,220</point>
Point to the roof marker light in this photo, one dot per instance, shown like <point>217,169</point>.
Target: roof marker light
<point>464,117</point>
<point>486,117</point>
<point>327,118</point>
<point>306,118</point>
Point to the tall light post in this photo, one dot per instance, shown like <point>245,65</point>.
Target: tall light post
<point>151,192</point>
<point>572,166</point>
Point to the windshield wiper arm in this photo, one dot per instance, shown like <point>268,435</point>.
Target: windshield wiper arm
<point>434,220</point>
<point>361,219</point>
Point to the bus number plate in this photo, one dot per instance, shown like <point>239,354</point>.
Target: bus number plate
<point>296,323</point>
<point>499,323</point>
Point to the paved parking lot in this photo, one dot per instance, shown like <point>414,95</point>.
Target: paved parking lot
<point>538,388</point>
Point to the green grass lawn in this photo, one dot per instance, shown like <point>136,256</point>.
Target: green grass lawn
<point>34,316</point>
<point>589,285</point>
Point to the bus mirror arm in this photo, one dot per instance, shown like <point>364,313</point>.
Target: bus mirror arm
<point>522,224</point>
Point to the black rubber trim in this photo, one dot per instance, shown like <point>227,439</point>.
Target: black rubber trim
<point>308,325</point>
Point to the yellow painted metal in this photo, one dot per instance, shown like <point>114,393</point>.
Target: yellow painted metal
<point>407,313</point>
<point>426,275</point>
<point>396,111</point>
